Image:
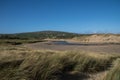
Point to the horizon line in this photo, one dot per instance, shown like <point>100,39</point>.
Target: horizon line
<point>89,32</point>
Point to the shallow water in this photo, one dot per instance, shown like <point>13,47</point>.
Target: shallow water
<point>61,43</point>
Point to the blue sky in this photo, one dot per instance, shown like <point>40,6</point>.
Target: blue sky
<point>79,16</point>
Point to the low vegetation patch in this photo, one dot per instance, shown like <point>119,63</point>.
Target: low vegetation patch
<point>17,41</point>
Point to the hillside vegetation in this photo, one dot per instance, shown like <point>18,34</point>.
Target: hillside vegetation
<point>39,35</point>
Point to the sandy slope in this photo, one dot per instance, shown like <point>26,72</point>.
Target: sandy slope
<point>99,38</point>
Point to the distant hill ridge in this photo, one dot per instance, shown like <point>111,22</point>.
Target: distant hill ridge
<point>63,35</point>
<point>40,35</point>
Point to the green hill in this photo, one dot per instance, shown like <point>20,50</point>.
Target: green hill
<point>39,35</point>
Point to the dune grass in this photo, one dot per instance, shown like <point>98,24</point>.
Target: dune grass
<point>114,73</point>
<point>21,63</point>
<point>51,65</point>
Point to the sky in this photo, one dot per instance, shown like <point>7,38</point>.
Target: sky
<point>78,16</point>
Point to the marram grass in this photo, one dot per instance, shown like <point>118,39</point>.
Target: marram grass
<point>51,65</point>
<point>114,73</point>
